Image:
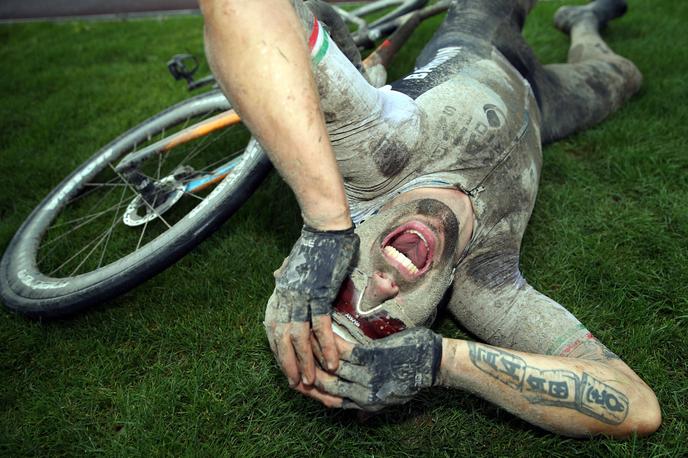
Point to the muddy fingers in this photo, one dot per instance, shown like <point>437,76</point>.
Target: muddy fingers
<point>322,328</point>
<point>286,357</point>
<point>354,373</point>
<point>299,337</point>
<point>306,285</point>
<point>387,371</point>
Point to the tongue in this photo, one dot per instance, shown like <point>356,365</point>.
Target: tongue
<point>412,247</point>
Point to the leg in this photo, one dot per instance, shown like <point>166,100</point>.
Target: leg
<point>471,21</point>
<point>603,10</point>
<point>482,24</point>
<point>594,83</point>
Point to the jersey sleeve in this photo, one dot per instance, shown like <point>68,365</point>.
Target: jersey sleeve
<point>493,300</point>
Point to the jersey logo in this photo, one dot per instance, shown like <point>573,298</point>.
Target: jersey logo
<point>495,116</point>
<point>442,56</point>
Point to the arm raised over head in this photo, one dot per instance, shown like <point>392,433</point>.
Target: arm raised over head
<point>258,52</point>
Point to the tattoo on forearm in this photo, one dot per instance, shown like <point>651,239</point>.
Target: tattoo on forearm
<point>552,387</point>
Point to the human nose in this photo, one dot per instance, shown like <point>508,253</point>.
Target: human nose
<point>381,287</point>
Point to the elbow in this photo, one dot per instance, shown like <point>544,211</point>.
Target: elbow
<point>651,419</point>
<point>212,8</point>
<point>205,6</point>
<point>646,418</point>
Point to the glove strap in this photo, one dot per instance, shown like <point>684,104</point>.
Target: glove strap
<point>313,230</point>
<point>436,358</point>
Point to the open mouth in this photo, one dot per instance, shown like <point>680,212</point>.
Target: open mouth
<point>410,249</point>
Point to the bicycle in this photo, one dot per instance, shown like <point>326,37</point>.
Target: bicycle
<point>165,184</point>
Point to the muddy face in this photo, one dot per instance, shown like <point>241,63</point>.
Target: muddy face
<point>404,268</point>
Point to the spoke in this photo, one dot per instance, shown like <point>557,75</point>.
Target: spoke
<point>81,196</point>
<point>203,145</point>
<point>51,250</point>
<point>194,195</point>
<point>144,200</point>
<point>162,156</point>
<point>112,228</point>
<point>78,226</point>
<point>101,201</point>
<point>206,145</point>
<point>138,244</point>
<point>84,248</point>
<point>157,173</point>
<point>100,240</point>
<point>167,153</point>
<point>145,225</point>
<point>192,152</point>
<point>161,160</point>
<point>103,239</point>
<point>207,169</point>
<point>104,184</point>
<point>94,206</point>
<point>81,218</point>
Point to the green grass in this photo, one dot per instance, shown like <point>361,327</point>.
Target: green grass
<point>181,366</point>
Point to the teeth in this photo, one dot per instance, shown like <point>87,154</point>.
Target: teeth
<point>420,236</point>
<point>406,262</point>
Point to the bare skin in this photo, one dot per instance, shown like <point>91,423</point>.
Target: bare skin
<point>580,390</point>
<point>236,34</point>
<point>583,396</point>
<point>590,392</point>
<point>541,389</point>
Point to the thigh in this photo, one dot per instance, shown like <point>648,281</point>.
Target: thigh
<point>483,24</point>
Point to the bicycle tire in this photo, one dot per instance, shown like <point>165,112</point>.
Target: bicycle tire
<point>25,289</point>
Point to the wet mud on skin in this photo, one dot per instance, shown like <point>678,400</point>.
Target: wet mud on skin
<point>373,132</point>
<point>476,112</point>
<point>312,273</point>
<point>490,296</point>
<point>416,302</point>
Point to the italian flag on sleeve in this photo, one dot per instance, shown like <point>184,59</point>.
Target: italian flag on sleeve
<point>318,42</point>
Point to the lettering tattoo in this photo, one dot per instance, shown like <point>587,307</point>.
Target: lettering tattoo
<point>552,387</point>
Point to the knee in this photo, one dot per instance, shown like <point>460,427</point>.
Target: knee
<point>635,77</point>
<point>629,73</point>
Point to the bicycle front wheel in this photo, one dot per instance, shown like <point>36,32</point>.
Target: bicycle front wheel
<point>95,236</point>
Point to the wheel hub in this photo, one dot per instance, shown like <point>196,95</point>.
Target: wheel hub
<point>142,209</point>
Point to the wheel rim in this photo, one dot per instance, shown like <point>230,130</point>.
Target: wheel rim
<point>87,232</point>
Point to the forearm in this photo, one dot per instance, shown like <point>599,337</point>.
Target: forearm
<point>568,396</point>
<point>258,52</point>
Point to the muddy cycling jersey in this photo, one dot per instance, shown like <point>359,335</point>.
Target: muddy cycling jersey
<point>464,118</point>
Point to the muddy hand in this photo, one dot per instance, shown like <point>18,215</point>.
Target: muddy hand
<point>387,371</point>
<point>306,286</point>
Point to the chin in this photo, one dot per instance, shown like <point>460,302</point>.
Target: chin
<point>354,324</point>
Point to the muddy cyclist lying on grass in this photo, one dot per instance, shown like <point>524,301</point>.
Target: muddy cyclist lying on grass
<point>441,170</point>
